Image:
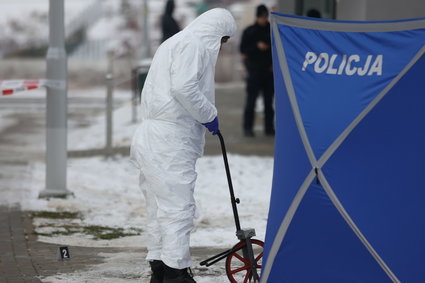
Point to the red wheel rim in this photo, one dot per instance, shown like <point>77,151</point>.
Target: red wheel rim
<point>238,268</point>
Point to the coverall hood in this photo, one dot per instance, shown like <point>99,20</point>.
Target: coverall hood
<point>211,26</point>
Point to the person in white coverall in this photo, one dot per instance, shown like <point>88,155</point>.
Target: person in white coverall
<point>177,106</point>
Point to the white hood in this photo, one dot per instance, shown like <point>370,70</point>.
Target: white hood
<point>211,26</point>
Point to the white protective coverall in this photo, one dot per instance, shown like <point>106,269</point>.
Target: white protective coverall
<point>178,96</point>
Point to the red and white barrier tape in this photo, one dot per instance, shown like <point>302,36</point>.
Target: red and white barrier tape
<point>14,86</point>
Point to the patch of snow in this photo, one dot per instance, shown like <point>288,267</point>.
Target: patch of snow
<point>106,192</point>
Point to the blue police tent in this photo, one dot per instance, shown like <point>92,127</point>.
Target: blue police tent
<point>348,196</point>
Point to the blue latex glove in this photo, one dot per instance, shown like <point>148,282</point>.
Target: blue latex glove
<point>212,126</point>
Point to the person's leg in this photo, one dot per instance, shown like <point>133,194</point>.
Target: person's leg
<point>252,91</point>
<point>173,185</point>
<point>176,209</point>
<point>153,231</point>
<point>154,239</point>
<point>175,214</point>
<point>168,163</point>
<point>268,95</point>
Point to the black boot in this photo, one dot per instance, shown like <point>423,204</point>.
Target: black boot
<point>157,267</point>
<point>173,275</point>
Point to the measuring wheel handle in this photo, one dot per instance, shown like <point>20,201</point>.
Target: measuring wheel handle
<point>246,233</point>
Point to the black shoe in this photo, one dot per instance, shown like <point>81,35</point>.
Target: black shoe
<point>158,270</point>
<point>249,133</point>
<point>173,275</point>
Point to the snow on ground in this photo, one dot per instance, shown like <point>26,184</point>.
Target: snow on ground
<point>106,192</point>
<point>125,268</point>
<point>128,270</point>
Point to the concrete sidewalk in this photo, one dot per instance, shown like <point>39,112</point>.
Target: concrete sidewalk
<point>24,259</point>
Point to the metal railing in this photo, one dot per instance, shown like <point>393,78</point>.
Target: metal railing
<point>85,19</point>
<point>91,49</point>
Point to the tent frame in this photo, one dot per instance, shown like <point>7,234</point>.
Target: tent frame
<point>316,172</point>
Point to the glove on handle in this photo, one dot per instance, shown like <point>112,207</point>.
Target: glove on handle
<point>212,126</point>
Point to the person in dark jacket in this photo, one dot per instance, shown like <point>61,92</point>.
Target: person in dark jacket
<point>256,53</point>
<point>168,24</point>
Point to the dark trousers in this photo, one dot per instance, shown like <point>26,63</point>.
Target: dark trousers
<point>257,83</point>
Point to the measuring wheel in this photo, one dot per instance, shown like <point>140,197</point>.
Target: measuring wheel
<point>244,260</point>
<point>238,266</point>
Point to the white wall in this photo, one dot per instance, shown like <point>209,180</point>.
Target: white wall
<point>368,9</point>
<point>286,6</point>
<point>394,9</point>
<point>351,10</point>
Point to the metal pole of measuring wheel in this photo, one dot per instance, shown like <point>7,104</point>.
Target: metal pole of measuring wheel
<point>246,234</point>
<point>56,104</point>
<point>233,200</point>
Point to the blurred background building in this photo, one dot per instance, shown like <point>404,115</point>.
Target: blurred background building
<point>94,27</point>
